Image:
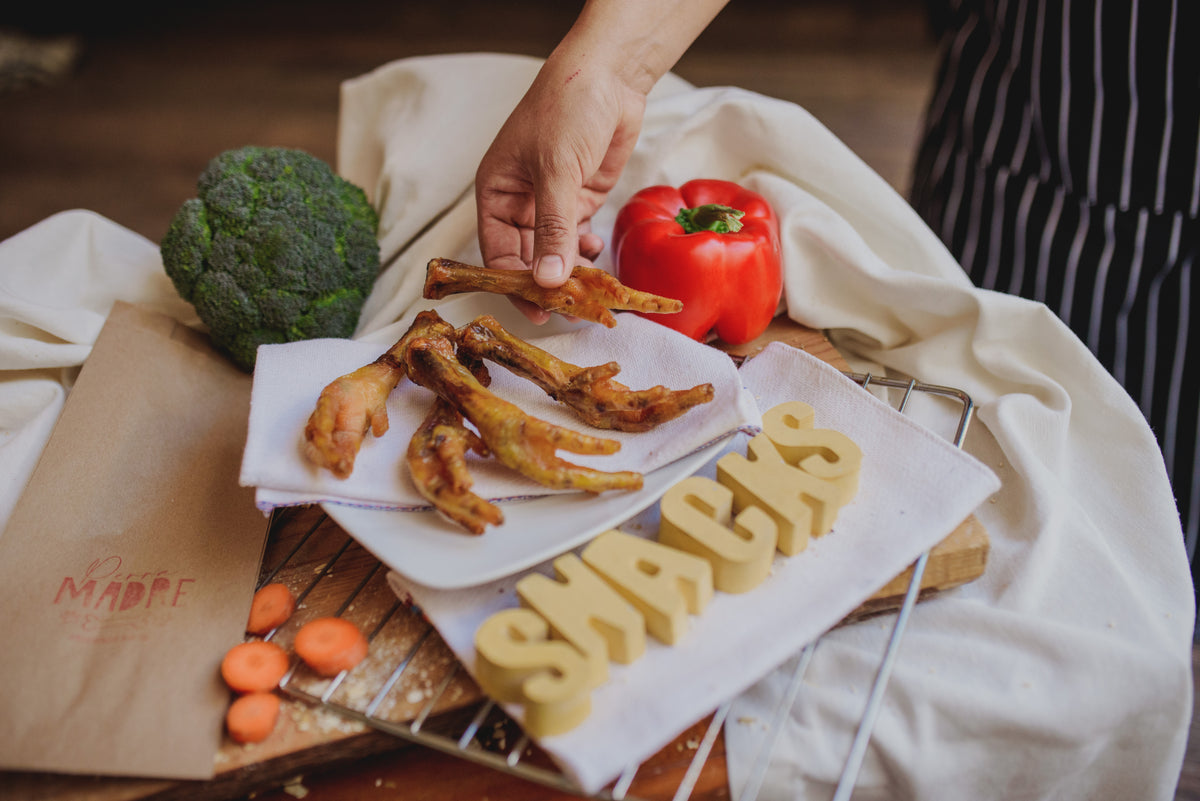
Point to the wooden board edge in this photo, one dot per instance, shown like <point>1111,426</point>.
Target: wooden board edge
<point>789,332</point>
<point>958,559</point>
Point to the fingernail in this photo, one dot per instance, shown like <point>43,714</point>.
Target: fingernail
<point>549,268</point>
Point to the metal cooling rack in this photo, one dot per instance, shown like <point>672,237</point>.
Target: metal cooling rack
<point>482,733</point>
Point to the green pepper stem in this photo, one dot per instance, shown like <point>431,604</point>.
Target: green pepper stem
<point>710,217</point>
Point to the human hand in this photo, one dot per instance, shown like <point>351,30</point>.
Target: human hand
<point>551,167</point>
<point>564,146</point>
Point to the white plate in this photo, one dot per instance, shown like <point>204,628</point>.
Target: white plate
<point>428,549</point>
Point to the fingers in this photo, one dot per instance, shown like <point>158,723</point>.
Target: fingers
<point>555,225</point>
<point>503,218</point>
<point>534,313</point>
<point>590,245</point>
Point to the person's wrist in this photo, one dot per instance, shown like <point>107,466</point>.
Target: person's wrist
<point>622,53</point>
<point>638,41</point>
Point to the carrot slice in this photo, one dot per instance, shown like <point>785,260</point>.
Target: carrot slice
<point>271,607</point>
<point>330,645</point>
<point>254,666</point>
<point>251,718</point>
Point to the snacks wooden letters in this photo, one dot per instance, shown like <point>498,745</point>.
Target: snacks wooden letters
<point>822,452</point>
<point>719,534</point>
<point>801,504</point>
<point>584,610</point>
<point>697,517</point>
<point>516,661</point>
<point>664,584</point>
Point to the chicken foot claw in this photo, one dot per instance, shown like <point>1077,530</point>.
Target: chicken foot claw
<point>590,293</point>
<point>590,391</point>
<point>437,461</point>
<point>355,403</point>
<point>517,440</point>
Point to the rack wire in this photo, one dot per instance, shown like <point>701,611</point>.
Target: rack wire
<point>478,730</point>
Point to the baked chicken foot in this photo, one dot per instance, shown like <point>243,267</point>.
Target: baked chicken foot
<point>517,440</point>
<point>589,293</point>
<point>437,460</point>
<point>590,391</point>
<point>356,403</point>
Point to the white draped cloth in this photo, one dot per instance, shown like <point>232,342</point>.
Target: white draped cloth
<point>1064,672</point>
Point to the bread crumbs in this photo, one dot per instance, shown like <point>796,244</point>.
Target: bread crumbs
<point>295,788</point>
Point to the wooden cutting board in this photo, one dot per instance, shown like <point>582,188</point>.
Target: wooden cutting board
<point>332,574</point>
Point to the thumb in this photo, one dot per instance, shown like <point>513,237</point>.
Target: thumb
<point>555,228</point>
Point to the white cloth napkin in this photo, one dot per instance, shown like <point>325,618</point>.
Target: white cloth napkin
<point>1065,671</point>
<point>289,378</point>
<point>914,488</point>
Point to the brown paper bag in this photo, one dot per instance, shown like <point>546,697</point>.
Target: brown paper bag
<point>128,564</point>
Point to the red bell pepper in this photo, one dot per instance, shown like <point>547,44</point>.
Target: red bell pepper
<point>711,244</point>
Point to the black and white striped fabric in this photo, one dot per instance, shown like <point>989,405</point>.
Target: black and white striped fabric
<point>1061,162</point>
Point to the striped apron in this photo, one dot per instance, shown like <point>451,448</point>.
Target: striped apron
<point>1061,162</point>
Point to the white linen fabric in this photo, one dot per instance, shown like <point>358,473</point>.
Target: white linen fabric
<point>914,488</point>
<point>58,280</point>
<point>1064,672</point>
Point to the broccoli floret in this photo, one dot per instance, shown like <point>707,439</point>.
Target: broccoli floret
<point>275,248</point>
